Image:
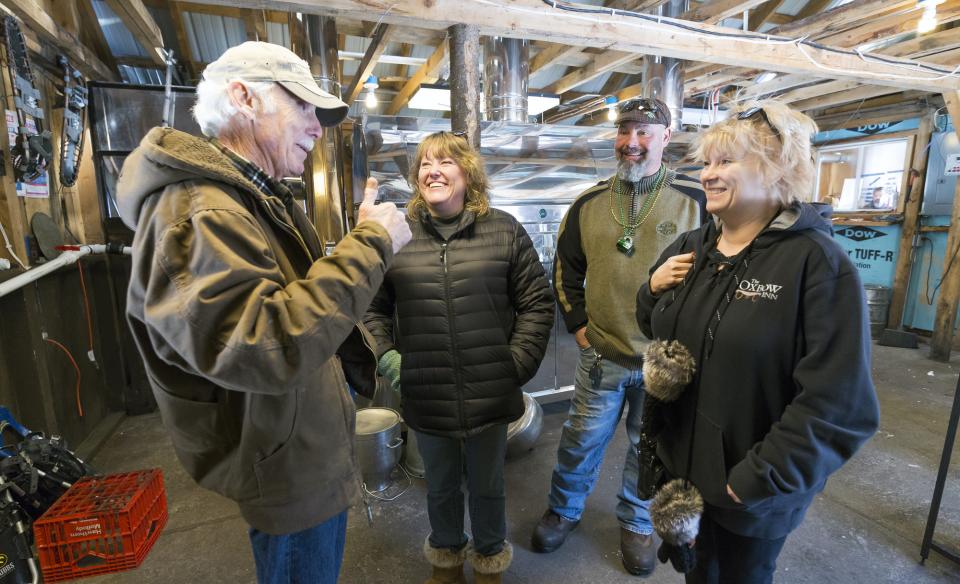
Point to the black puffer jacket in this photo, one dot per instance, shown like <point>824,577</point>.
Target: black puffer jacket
<point>473,316</point>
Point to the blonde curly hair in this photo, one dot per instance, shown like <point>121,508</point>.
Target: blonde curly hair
<point>450,145</point>
<point>784,157</point>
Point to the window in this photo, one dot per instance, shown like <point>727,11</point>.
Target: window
<point>862,177</point>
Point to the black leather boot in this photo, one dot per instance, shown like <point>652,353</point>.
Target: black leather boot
<point>551,532</point>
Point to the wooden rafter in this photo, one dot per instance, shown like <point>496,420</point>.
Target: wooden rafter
<point>812,7</point>
<point>425,74</point>
<point>713,12</point>
<point>186,54</point>
<point>91,28</point>
<point>601,64</point>
<point>141,25</point>
<point>376,47</point>
<point>551,54</point>
<point>842,18</point>
<point>534,20</point>
<point>888,27</point>
<point>925,44</point>
<point>256,25</point>
<point>761,13</point>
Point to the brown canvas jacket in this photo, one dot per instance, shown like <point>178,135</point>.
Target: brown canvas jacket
<point>247,331</point>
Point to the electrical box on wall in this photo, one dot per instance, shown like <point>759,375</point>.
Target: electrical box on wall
<point>941,180</point>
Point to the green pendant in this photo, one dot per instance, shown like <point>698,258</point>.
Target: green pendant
<point>625,245</point>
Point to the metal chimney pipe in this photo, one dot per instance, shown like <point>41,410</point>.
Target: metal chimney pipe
<point>663,76</point>
<point>328,206</point>
<point>506,73</point>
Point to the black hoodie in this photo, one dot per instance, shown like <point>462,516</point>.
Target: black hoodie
<point>782,396</point>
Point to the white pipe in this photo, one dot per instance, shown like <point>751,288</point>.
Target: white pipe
<point>66,258</point>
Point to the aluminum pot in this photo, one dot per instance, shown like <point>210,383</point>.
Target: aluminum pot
<point>523,432</point>
<point>378,446</point>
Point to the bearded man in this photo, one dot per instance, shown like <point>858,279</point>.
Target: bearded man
<point>610,237</point>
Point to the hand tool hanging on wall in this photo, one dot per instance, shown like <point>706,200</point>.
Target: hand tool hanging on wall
<point>74,120</point>
<point>33,149</point>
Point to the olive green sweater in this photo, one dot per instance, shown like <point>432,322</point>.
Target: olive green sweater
<point>596,284</point>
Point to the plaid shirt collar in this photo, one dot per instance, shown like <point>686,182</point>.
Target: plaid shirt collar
<point>260,179</point>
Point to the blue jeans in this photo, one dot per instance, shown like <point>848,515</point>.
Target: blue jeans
<point>311,556</point>
<point>591,422</point>
<point>480,457</point>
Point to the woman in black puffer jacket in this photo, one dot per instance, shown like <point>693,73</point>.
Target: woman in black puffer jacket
<point>473,314</point>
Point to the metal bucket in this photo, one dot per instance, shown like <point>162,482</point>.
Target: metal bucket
<point>523,432</point>
<point>378,446</point>
<point>878,302</point>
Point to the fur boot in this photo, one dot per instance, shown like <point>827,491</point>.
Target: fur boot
<point>489,569</point>
<point>447,564</point>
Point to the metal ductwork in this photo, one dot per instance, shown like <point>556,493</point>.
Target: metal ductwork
<point>327,202</point>
<point>506,73</point>
<point>663,76</point>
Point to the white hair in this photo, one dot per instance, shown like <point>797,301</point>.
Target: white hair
<point>213,109</point>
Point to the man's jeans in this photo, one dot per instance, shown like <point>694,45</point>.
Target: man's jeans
<point>591,422</point>
<point>481,458</point>
<point>311,556</point>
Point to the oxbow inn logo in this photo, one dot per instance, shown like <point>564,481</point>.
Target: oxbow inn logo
<point>755,290</point>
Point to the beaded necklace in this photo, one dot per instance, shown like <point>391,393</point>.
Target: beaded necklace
<point>626,219</point>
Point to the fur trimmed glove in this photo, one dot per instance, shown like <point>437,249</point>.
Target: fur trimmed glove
<point>675,513</point>
<point>668,369</point>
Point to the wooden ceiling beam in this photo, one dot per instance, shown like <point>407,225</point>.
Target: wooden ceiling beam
<point>183,42</point>
<point>842,18</point>
<point>888,27</point>
<point>761,13</point>
<point>425,74</point>
<point>378,43</point>
<point>862,93</point>
<point>534,20</point>
<point>714,12</point>
<point>602,64</point>
<point>255,23</point>
<point>141,25</point>
<point>866,117</point>
<point>81,57</point>
<point>925,44</point>
<point>550,55</point>
<point>94,32</point>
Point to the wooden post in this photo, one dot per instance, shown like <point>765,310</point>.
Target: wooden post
<point>950,289</point>
<point>465,81</point>
<point>911,220</point>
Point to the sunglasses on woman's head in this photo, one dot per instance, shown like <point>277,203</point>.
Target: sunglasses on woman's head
<point>756,111</point>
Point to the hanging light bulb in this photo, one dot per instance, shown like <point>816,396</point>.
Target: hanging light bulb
<point>611,102</point>
<point>371,98</point>
<point>928,21</point>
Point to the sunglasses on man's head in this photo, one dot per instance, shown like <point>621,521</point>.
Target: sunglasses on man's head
<point>758,111</point>
<point>638,104</point>
<point>459,133</point>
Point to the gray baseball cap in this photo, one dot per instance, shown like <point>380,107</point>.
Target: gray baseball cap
<point>259,61</point>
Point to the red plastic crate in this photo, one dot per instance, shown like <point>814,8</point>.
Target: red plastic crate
<point>101,525</point>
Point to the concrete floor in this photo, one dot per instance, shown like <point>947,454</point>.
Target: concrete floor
<point>865,528</point>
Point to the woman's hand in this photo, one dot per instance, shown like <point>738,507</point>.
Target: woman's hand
<point>671,272</point>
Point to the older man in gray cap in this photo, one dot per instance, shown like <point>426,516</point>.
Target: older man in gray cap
<point>248,331</point>
<point>610,237</point>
